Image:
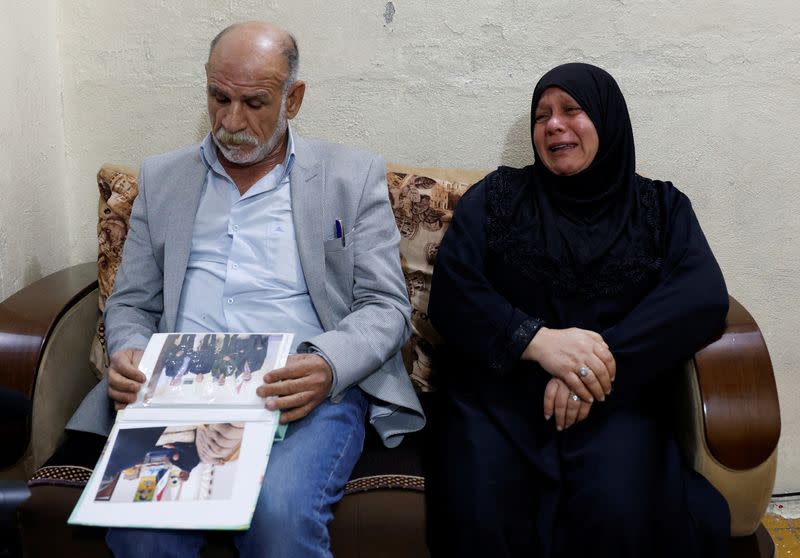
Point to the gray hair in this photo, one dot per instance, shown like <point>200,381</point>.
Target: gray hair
<point>290,52</point>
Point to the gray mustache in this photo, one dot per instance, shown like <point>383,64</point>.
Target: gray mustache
<point>238,138</point>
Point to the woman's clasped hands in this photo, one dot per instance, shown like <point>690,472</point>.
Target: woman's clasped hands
<point>582,367</point>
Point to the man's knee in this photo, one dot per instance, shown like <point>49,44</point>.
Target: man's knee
<point>295,507</point>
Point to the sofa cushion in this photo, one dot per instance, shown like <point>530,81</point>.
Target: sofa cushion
<point>423,200</point>
<point>118,188</point>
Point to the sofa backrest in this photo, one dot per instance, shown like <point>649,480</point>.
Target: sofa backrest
<point>422,200</point>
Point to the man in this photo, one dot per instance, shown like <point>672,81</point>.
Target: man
<point>257,229</point>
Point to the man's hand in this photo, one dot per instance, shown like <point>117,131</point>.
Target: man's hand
<point>216,443</point>
<point>558,400</point>
<point>578,357</point>
<point>124,377</point>
<point>297,388</point>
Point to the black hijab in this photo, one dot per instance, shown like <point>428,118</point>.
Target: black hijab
<point>592,191</point>
<point>590,231</point>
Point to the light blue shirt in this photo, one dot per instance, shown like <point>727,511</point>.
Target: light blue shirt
<point>244,269</point>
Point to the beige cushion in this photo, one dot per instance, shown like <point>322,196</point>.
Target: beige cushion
<point>118,188</point>
<point>423,202</point>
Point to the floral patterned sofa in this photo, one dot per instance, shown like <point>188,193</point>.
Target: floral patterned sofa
<point>52,351</point>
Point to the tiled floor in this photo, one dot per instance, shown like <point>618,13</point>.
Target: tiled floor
<point>785,533</point>
<point>783,523</point>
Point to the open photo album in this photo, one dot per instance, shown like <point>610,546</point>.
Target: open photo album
<point>192,451</point>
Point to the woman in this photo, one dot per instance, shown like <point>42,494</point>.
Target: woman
<point>568,292</point>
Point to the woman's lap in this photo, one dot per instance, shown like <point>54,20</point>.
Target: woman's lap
<point>482,494</point>
<point>616,484</point>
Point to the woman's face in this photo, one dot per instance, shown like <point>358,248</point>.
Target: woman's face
<point>565,138</point>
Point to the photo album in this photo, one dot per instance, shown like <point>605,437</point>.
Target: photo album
<point>192,451</point>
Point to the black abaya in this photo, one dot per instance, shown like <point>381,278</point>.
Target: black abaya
<point>504,481</point>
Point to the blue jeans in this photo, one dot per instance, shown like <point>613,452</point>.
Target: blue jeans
<point>305,476</point>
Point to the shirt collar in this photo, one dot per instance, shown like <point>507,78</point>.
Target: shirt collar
<point>208,153</point>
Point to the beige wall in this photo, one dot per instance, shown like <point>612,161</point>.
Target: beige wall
<point>34,230</point>
<point>713,89</point>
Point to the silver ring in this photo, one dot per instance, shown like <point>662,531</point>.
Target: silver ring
<point>584,371</point>
<point>574,397</point>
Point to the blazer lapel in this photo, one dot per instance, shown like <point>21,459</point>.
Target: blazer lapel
<point>188,184</point>
<point>308,191</point>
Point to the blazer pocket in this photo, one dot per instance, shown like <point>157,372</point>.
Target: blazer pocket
<point>339,262</point>
<point>336,244</point>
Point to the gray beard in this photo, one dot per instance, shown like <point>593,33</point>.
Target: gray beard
<point>261,150</point>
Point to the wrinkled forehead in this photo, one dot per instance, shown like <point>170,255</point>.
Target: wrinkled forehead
<point>249,55</point>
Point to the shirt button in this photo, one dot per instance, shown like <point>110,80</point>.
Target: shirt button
<point>235,266</point>
<point>230,301</point>
<point>236,227</point>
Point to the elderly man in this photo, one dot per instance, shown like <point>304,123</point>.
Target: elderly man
<point>255,230</point>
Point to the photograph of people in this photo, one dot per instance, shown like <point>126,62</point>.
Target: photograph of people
<point>155,464</point>
<point>568,293</point>
<point>228,360</point>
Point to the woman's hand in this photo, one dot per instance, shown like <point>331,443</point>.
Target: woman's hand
<point>559,400</point>
<point>578,357</point>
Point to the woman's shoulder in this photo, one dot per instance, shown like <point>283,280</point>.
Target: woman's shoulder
<point>666,208</point>
<point>493,189</point>
<point>663,188</point>
<point>663,192</point>
<point>509,176</point>
<point>500,175</point>
<point>502,188</point>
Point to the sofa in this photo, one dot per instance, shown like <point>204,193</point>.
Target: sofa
<point>52,352</point>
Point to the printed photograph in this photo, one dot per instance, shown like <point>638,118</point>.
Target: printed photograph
<point>203,368</point>
<point>175,463</point>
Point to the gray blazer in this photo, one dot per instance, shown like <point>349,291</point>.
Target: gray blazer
<point>357,289</point>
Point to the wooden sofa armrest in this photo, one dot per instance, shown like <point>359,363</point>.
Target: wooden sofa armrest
<point>30,321</point>
<point>729,418</point>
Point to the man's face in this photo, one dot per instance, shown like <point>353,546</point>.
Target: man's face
<point>244,148</point>
<point>246,103</point>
